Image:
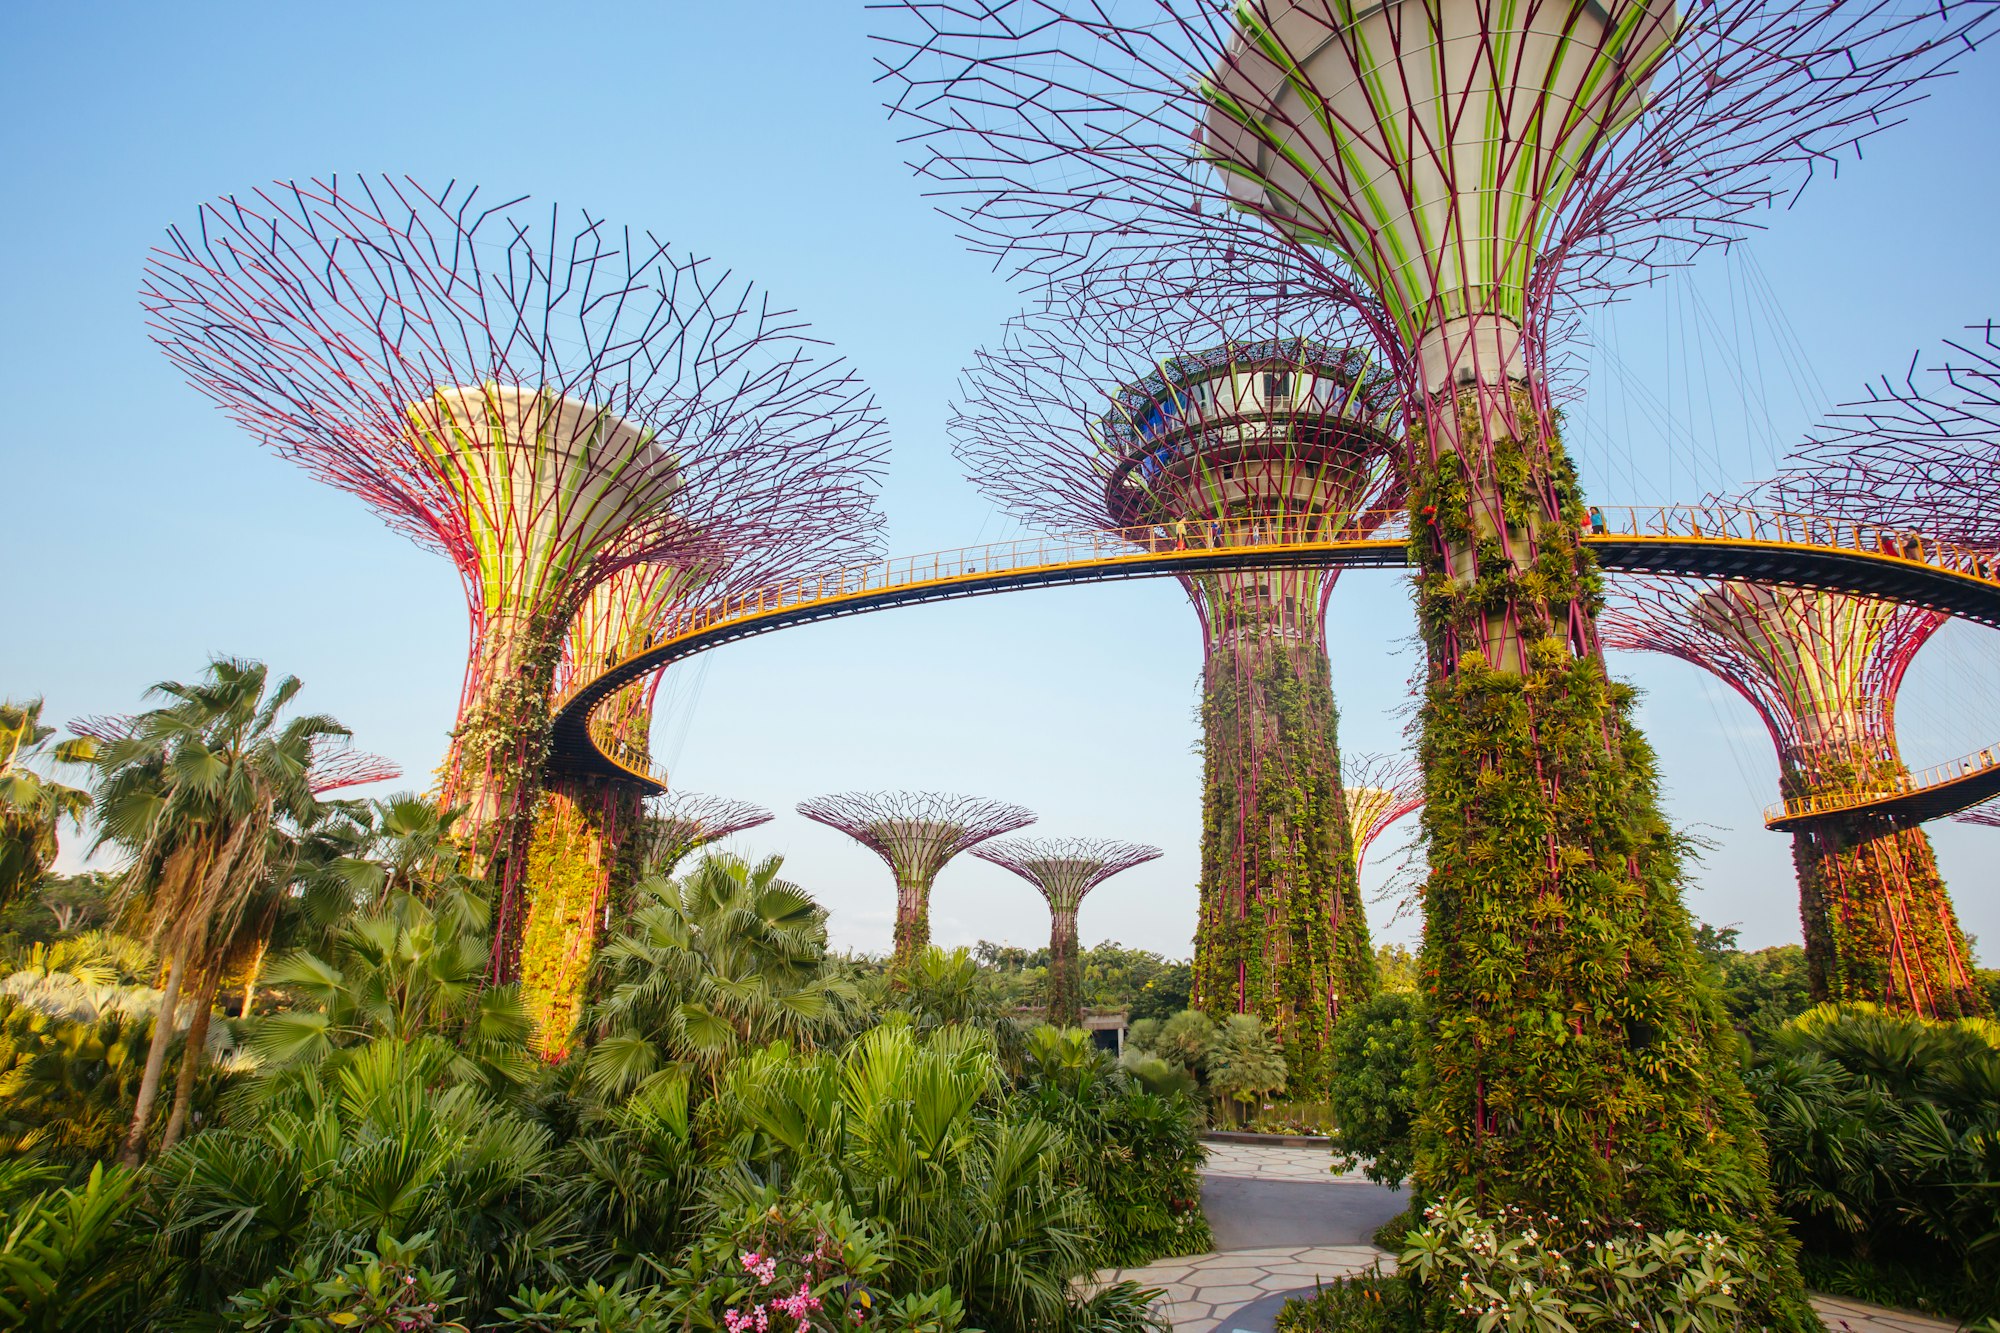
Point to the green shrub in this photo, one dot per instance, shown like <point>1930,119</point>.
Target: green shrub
<point>1512,1269</point>
<point>1244,1063</point>
<point>912,1135</point>
<point>1884,1135</point>
<point>69,1258</point>
<point>1186,1039</point>
<point>1136,1154</point>
<point>1355,1305</point>
<point>387,1289</point>
<point>1374,1049</point>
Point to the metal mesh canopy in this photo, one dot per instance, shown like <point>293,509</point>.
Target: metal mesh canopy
<point>1380,789</point>
<point>682,821</point>
<point>1822,669</point>
<point>916,833</point>
<point>1164,395</point>
<point>1065,870</point>
<point>335,764</point>
<point>1427,161</point>
<point>543,401</point>
<point>1921,450</point>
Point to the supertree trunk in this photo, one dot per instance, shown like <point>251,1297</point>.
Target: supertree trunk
<point>913,917</point>
<point>1065,970</point>
<point>1282,931</point>
<point>1879,925</point>
<point>1580,1063</point>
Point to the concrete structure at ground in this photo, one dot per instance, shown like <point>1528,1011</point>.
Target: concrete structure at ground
<point>1253,1194</point>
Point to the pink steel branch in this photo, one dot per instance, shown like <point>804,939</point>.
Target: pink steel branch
<point>334,766</point>
<point>1380,789</point>
<point>1821,669</point>
<point>1069,137</point>
<point>1921,450</point>
<point>683,821</point>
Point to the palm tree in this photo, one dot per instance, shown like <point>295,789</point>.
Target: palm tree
<point>194,791</point>
<point>728,958</point>
<point>406,973</point>
<point>32,807</point>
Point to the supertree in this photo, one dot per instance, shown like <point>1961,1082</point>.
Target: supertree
<point>545,403</point>
<point>1064,871</point>
<point>916,833</point>
<point>1822,670</point>
<point>1462,174</point>
<point>1198,421</point>
<point>1381,789</point>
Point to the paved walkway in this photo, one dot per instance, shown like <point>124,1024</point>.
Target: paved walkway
<point>1282,1220</point>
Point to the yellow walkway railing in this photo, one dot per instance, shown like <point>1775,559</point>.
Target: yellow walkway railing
<point>1778,540</point>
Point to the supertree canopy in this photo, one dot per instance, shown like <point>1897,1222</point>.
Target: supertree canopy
<point>1064,871</point>
<point>682,821</point>
<point>1380,790</point>
<point>547,403</point>
<point>1188,422</point>
<point>1823,670</point>
<point>1921,450</point>
<point>916,834</point>
<point>1461,173</point>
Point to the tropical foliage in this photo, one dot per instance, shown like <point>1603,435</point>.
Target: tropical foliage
<point>749,1129</point>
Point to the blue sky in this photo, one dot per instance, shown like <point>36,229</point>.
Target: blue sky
<point>148,533</point>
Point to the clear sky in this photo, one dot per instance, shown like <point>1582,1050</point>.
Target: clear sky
<point>147,532</point>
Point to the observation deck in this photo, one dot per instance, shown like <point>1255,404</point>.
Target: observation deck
<point>1713,541</point>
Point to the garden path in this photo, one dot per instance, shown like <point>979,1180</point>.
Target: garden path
<point>1283,1220</point>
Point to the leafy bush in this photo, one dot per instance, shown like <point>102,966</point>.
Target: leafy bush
<point>1138,1155</point>
<point>1186,1039</point>
<point>911,1135</point>
<point>377,1139</point>
<point>385,1289</point>
<point>1355,1305</point>
<point>68,1257</point>
<point>1374,1046</point>
<point>1245,1063</point>
<point>1884,1135</point>
<point>1468,1269</point>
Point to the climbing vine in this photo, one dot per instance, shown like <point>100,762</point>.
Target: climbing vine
<point>1578,1062</point>
<point>1282,932</point>
<point>1879,924</point>
<point>566,883</point>
<point>495,769</point>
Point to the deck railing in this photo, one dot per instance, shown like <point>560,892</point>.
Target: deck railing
<point>1936,775</point>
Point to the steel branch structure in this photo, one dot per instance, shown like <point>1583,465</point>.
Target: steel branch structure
<point>335,764</point>
<point>916,834</point>
<point>683,821</point>
<point>1380,789</point>
<point>545,402</point>
<point>1196,422</point>
<point>1921,450</point>
<point>1459,174</point>
<point>1064,871</point>
<point>1987,816</point>
<point>1823,670</point>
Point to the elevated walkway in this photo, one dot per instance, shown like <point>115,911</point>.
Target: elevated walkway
<point>1764,546</point>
